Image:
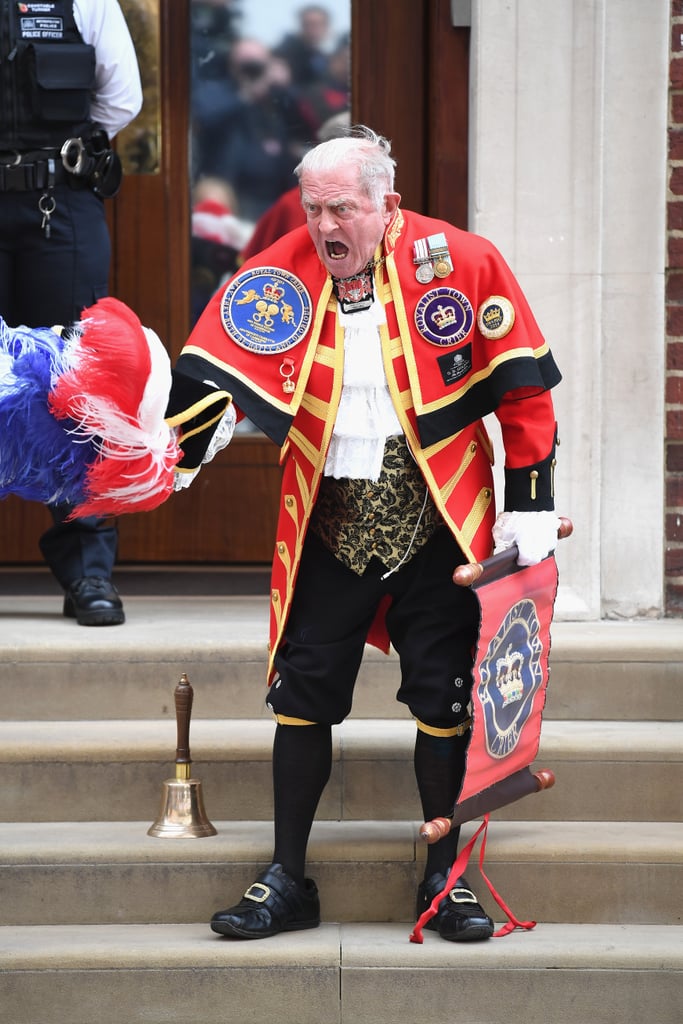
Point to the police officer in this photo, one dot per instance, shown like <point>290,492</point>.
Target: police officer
<point>69,80</point>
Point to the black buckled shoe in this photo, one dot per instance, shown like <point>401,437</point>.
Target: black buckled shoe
<point>273,903</point>
<point>94,601</point>
<point>459,917</point>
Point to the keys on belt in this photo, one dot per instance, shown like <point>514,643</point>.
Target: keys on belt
<point>34,175</point>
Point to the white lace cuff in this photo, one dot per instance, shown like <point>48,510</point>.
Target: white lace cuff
<point>221,439</point>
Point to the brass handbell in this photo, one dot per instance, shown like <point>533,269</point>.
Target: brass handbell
<point>182,805</point>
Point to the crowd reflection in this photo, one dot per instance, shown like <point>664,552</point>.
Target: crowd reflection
<point>255,110</point>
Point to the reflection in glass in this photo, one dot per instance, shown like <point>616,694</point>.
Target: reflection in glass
<point>266,75</point>
<point>139,144</point>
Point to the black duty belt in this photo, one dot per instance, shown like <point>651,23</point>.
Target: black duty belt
<point>27,173</point>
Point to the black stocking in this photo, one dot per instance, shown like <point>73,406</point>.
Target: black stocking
<point>439,769</point>
<point>302,762</point>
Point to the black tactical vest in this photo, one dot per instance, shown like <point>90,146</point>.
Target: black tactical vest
<point>47,73</point>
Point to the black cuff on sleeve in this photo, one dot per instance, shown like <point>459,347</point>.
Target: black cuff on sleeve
<point>531,488</point>
<point>196,408</point>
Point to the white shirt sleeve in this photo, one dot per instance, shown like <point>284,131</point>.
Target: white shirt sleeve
<point>117,98</point>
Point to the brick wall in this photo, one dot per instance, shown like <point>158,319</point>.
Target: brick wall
<point>673,566</point>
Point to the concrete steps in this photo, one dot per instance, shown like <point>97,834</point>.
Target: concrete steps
<point>112,872</point>
<point>56,669</point>
<point>113,770</point>
<point>100,922</point>
<point>339,974</point>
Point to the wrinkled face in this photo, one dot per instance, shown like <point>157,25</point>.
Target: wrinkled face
<point>344,223</point>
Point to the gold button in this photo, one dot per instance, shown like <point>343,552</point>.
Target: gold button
<point>473,447</point>
<point>289,501</point>
<point>275,597</point>
<point>281,548</point>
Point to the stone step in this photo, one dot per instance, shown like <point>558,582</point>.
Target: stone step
<point>556,872</point>
<point>340,974</point>
<point>80,771</point>
<point>59,670</point>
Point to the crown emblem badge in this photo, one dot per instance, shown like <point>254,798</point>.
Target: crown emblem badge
<point>266,310</point>
<point>496,317</point>
<point>444,316</point>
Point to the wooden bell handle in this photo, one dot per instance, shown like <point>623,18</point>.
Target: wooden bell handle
<point>497,565</point>
<point>183,709</point>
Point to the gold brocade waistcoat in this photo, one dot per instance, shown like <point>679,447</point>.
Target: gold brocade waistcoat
<point>390,518</point>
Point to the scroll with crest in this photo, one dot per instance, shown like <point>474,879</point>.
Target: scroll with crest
<point>510,680</point>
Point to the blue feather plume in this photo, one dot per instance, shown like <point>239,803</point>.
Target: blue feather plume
<point>40,459</point>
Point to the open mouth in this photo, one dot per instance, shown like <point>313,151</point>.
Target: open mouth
<point>337,250</point>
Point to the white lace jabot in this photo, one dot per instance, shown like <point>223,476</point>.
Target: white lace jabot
<point>366,415</point>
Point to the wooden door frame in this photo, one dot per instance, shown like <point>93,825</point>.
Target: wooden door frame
<point>162,198</point>
<point>410,81</point>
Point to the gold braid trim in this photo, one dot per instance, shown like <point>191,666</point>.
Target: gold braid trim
<point>476,514</point>
<point>452,483</point>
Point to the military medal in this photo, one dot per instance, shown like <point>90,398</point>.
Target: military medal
<point>439,254</point>
<point>425,270</point>
<point>425,273</point>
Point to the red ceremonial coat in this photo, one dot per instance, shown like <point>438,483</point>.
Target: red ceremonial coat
<point>442,381</point>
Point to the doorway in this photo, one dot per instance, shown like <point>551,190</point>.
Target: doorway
<point>408,79</point>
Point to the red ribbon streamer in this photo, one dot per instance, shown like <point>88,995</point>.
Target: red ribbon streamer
<point>457,869</point>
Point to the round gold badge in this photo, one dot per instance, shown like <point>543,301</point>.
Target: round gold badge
<point>495,317</point>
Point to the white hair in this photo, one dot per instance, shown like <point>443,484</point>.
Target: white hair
<point>370,152</point>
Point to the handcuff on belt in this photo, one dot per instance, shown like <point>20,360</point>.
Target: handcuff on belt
<point>94,160</point>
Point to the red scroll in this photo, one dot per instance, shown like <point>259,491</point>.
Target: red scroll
<point>510,674</point>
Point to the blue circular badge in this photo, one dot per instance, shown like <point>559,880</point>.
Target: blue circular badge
<point>266,310</point>
<point>444,316</point>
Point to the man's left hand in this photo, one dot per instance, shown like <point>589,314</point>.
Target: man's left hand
<point>534,533</point>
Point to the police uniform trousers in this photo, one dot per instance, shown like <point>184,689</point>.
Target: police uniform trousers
<point>432,624</point>
<point>46,281</point>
